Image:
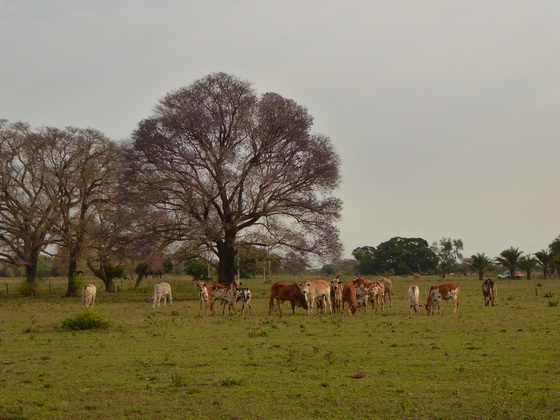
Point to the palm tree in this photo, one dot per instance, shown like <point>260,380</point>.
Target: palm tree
<point>528,264</point>
<point>546,260</point>
<point>480,263</point>
<point>509,258</point>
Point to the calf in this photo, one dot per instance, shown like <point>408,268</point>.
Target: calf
<point>280,292</point>
<point>370,291</point>
<point>204,297</point>
<point>413,298</point>
<point>161,290</point>
<point>489,291</point>
<point>442,292</point>
<point>336,295</point>
<point>244,295</point>
<point>88,295</point>
<point>228,294</point>
<point>349,296</point>
<point>316,290</point>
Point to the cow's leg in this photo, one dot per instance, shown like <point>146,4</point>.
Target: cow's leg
<point>327,298</point>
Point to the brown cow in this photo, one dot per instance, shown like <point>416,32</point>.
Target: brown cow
<point>286,291</point>
<point>349,295</point>
<point>442,292</point>
<point>388,283</point>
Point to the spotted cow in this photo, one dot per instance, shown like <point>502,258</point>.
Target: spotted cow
<point>370,291</point>
<point>227,294</point>
<point>244,296</point>
<point>442,292</point>
<point>336,294</point>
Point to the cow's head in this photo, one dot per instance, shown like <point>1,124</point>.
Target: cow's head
<point>304,286</point>
<point>200,285</point>
<point>429,308</point>
<point>336,284</point>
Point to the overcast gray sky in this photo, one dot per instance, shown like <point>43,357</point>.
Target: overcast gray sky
<point>445,113</point>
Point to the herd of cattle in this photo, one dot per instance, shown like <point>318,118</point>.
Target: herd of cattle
<point>333,296</point>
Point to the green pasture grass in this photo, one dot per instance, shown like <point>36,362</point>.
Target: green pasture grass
<point>173,362</point>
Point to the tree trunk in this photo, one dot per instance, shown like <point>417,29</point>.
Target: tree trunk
<point>109,284</point>
<point>31,278</point>
<point>226,257</point>
<point>139,279</point>
<point>72,275</point>
<point>480,275</point>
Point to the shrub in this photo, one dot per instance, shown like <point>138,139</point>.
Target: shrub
<point>87,320</point>
<point>553,302</point>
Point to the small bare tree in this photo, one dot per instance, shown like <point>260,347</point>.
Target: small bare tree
<point>228,167</point>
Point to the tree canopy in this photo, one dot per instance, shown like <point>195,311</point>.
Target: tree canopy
<point>226,166</point>
<point>398,255</point>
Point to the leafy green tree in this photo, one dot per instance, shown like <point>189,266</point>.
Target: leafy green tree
<point>365,259</point>
<point>197,269</point>
<point>528,264</point>
<point>555,250</point>
<point>509,258</point>
<point>448,252</point>
<point>480,263</point>
<point>328,270</point>
<point>415,253</point>
<point>546,259</point>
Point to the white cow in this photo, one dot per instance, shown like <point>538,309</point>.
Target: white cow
<point>88,295</point>
<point>414,298</point>
<point>161,290</point>
<point>316,291</point>
<point>204,297</point>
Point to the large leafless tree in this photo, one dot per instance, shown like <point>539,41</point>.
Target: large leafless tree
<point>228,166</point>
<point>86,170</point>
<point>27,211</point>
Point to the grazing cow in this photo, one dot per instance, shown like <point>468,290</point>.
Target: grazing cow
<point>489,291</point>
<point>280,292</point>
<point>413,298</point>
<point>315,291</point>
<point>161,290</point>
<point>349,295</point>
<point>445,292</point>
<point>416,276</point>
<point>204,297</point>
<point>388,283</point>
<point>244,295</point>
<point>228,294</point>
<point>336,294</point>
<point>88,295</point>
<point>370,291</point>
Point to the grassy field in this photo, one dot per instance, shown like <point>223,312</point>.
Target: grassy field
<point>483,362</point>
